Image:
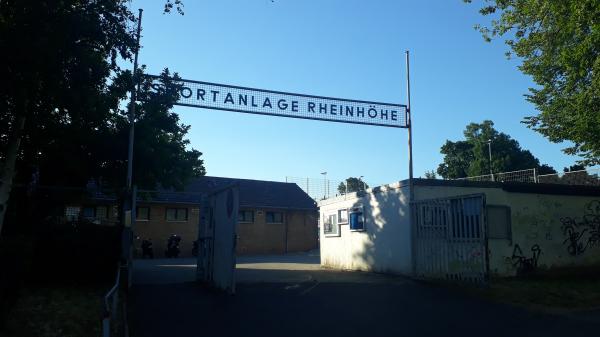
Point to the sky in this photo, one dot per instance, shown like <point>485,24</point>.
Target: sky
<point>340,48</point>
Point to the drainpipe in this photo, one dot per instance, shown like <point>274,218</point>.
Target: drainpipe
<point>285,224</point>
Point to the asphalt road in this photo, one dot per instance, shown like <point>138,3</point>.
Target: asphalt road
<point>292,296</point>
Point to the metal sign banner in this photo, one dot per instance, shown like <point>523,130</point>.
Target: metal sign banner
<point>284,104</point>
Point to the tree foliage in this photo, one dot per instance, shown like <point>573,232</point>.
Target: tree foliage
<point>352,184</point>
<point>470,157</point>
<point>61,72</point>
<point>430,175</point>
<point>559,44</point>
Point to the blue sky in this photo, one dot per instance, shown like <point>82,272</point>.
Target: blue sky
<point>339,48</point>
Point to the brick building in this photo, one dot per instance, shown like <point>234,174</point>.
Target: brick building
<point>274,217</point>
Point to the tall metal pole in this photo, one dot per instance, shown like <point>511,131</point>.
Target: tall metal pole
<point>409,120</point>
<point>132,106</point>
<point>490,154</point>
<point>411,190</point>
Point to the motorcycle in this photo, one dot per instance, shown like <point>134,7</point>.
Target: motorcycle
<point>173,246</point>
<point>147,250</point>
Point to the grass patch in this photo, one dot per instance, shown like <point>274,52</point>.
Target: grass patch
<point>53,311</point>
<point>556,293</point>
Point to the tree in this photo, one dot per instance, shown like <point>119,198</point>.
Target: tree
<point>352,184</point>
<point>60,100</point>
<point>574,168</point>
<point>470,157</point>
<point>559,43</point>
<point>430,175</point>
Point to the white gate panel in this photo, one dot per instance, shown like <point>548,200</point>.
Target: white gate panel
<point>216,249</point>
<point>225,212</point>
<point>451,238</point>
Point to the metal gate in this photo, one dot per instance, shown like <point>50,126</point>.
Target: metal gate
<point>450,237</point>
<point>217,237</point>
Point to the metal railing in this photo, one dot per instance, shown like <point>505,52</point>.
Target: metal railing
<point>524,176</point>
<point>588,177</point>
<point>111,308</point>
<point>321,188</point>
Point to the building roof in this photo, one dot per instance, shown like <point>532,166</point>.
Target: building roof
<point>253,193</point>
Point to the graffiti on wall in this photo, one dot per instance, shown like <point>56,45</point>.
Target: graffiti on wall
<point>584,232</point>
<point>522,263</point>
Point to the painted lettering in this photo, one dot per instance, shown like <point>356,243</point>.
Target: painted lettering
<point>384,114</point>
<point>311,107</point>
<point>186,92</point>
<point>360,112</point>
<point>372,112</point>
<point>350,111</point>
<point>200,94</point>
<point>267,103</point>
<point>214,92</point>
<point>282,104</point>
<point>242,99</point>
<point>333,109</point>
<point>295,106</point>
<point>229,98</point>
<point>322,108</point>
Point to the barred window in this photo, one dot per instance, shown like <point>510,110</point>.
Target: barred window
<point>331,226</point>
<point>142,213</point>
<point>72,212</point>
<point>177,214</point>
<point>274,217</point>
<point>246,216</point>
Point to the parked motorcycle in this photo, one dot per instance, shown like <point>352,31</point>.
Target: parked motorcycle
<point>147,250</point>
<point>173,246</point>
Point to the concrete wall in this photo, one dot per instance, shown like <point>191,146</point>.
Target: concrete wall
<point>548,230</point>
<point>159,229</point>
<point>385,246</point>
<point>298,232</point>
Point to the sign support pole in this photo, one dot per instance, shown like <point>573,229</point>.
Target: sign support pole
<point>411,192</point>
<point>132,107</point>
<point>409,121</point>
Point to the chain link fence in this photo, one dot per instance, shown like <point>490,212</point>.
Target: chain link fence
<point>523,176</point>
<point>588,177</point>
<point>322,188</point>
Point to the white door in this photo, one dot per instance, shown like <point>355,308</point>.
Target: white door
<point>217,238</point>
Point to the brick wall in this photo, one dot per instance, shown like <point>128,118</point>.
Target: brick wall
<point>158,228</point>
<point>297,232</point>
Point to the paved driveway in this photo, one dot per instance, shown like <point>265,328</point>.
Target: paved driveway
<point>292,296</point>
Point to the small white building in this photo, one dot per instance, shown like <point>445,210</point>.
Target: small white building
<point>461,229</point>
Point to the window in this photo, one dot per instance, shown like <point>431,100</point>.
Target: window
<point>246,216</point>
<point>101,212</point>
<point>95,212</point>
<point>342,216</point>
<point>357,219</point>
<point>177,214</point>
<point>142,213</point>
<point>499,225</point>
<point>72,212</point>
<point>330,225</point>
<point>88,212</point>
<point>274,217</point>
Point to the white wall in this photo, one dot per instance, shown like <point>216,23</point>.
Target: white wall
<point>385,246</point>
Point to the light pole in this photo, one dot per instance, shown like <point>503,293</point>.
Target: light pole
<point>489,143</point>
<point>362,183</point>
<point>326,187</point>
